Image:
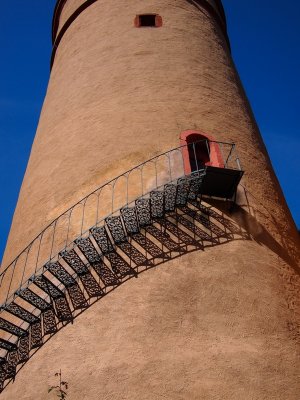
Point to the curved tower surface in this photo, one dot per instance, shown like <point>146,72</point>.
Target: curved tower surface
<point>215,313</point>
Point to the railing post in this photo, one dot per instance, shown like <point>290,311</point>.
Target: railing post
<point>28,250</point>
<point>170,168</point>
<point>222,152</point>
<point>11,279</point>
<point>230,154</point>
<point>38,253</point>
<point>53,235</point>
<point>68,230</point>
<point>83,214</point>
<point>195,155</point>
<point>142,181</point>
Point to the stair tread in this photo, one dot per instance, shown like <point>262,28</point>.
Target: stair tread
<point>21,313</point>
<point>11,328</point>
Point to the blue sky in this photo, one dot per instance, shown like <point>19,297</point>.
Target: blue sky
<point>265,39</point>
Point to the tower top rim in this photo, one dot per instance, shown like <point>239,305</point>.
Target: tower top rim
<point>215,6</point>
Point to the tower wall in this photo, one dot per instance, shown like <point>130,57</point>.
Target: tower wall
<point>113,83</point>
<point>214,324</point>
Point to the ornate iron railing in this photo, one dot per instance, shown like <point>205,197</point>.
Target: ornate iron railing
<point>106,200</point>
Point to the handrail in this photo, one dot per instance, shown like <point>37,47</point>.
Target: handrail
<point>114,194</point>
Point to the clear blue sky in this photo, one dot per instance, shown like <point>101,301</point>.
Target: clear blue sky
<point>265,39</point>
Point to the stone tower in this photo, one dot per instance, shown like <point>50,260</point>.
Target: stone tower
<point>215,313</point>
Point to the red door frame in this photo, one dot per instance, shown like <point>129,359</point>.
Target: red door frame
<point>216,159</point>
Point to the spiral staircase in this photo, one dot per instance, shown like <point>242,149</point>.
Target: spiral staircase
<point>167,221</point>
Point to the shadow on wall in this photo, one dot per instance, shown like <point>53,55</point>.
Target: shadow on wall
<point>193,227</point>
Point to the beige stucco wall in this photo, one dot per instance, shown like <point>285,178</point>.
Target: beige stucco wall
<point>209,325</point>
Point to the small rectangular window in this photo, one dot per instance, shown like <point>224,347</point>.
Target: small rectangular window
<point>148,20</point>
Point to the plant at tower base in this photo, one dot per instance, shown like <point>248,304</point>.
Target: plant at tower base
<point>61,389</point>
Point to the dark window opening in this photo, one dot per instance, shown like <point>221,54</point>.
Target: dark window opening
<point>198,148</point>
<point>147,20</point>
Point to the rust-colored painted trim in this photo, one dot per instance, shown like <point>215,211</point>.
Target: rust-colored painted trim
<point>215,155</point>
<point>56,38</point>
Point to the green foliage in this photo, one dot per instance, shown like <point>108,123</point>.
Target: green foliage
<point>61,389</point>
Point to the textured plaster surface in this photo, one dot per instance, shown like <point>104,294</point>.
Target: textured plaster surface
<point>209,325</point>
<point>220,324</point>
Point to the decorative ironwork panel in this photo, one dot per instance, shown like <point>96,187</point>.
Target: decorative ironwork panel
<point>2,375</point>
<point>116,229</point>
<point>157,203</point>
<point>135,255</point>
<point>47,286</point>
<point>91,285</point>
<point>12,362</point>
<point>61,274</point>
<point>170,196</point>
<point>77,297</point>
<point>130,220</point>
<point>75,262</point>
<point>11,328</point>
<point>63,311</point>
<point>6,345</point>
<point>23,350</point>
<point>195,185</point>
<point>193,228</point>
<point>179,233</point>
<point>105,274</point>
<point>102,239</point>
<point>119,266</point>
<point>87,248</point>
<point>33,299</point>
<point>36,335</point>
<point>149,246</point>
<point>182,191</point>
<point>143,211</point>
<point>49,322</point>
<point>21,313</point>
<point>162,237</point>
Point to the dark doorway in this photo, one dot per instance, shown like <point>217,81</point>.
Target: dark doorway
<point>198,149</point>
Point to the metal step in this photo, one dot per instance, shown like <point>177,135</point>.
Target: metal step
<point>11,328</point>
<point>6,345</point>
<point>36,335</point>
<point>130,220</point>
<point>143,209</point>
<point>101,237</point>
<point>77,297</point>
<point>157,204</point>
<point>33,299</point>
<point>21,313</point>
<point>116,229</point>
<point>88,281</point>
<point>23,350</point>
<point>62,308</point>
<point>87,248</point>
